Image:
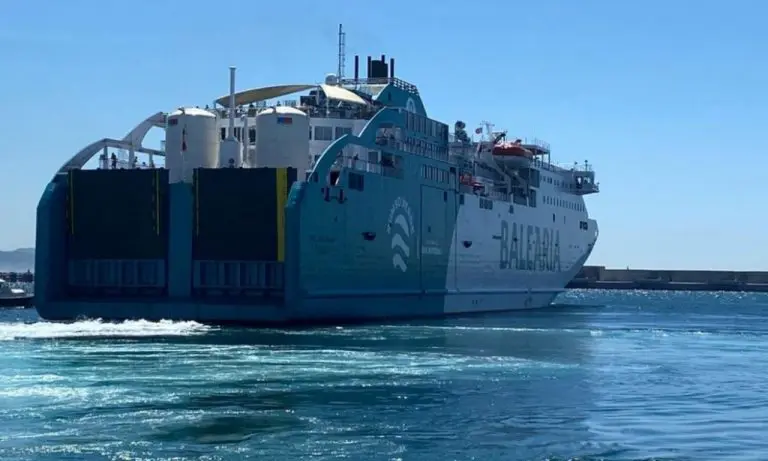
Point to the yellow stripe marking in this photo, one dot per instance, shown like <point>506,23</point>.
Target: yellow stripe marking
<point>281,191</point>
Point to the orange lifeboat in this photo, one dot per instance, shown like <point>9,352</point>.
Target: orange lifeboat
<point>511,149</point>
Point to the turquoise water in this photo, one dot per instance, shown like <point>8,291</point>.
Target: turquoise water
<point>605,375</point>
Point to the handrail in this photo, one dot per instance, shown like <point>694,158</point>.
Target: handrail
<point>396,82</point>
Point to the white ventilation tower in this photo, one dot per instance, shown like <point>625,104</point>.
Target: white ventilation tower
<point>191,141</point>
<point>282,138</point>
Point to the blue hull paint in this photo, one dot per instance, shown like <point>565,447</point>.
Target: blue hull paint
<point>330,310</point>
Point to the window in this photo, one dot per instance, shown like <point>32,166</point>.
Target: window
<point>373,156</point>
<point>341,131</point>
<point>392,166</point>
<point>486,204</point>
<point>223,132</point>
<point>252,135</point>
<point>434,173</point>
<point>323,133</point>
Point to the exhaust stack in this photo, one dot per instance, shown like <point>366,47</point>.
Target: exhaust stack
<point>232,70</point>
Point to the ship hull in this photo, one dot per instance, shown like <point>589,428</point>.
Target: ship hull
<point>332,310</point>
<point>387,252</point>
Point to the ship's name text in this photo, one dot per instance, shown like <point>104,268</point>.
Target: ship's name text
<point>529,248</point>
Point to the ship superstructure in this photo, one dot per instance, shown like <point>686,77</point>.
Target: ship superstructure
<point>347,203</point>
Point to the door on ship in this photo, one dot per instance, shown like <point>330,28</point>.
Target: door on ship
<point>435,245</point>
<point>328,246</point>
<point>451,225</point>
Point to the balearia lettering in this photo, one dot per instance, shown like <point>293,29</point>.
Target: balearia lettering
<point>529,248</point>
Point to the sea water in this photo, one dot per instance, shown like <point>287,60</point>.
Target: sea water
<point>603,375</point>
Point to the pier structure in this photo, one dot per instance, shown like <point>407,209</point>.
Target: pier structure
<point>600,277</point>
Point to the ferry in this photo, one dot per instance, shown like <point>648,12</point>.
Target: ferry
<point>346,203</point>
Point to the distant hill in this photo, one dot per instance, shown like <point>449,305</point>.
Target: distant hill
<point>19,260</point>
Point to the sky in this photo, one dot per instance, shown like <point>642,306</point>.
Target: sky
<point>668,100</point>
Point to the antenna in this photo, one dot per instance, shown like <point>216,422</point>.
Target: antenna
<point>488,129</point>
<point>342,53</point>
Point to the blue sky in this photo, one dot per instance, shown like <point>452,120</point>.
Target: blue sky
<point>668,100</point>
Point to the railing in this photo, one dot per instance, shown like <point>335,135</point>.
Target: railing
<point>313,111</point>
<point>576,167</point>
<point>563,167</point>
<point>396,82</point>
<point>238,275</point>
<point>541,145</point>
<point>114,273</point>
<point>538,143</point>
<point>364,165</point>
<point>370,167</point>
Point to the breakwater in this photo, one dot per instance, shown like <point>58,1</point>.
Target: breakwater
<point>598,277</point>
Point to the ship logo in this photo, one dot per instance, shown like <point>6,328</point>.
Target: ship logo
<point>402,233</point>
<point>410,105</point>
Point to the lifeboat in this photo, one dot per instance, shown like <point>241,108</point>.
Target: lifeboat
<point>511,149</point>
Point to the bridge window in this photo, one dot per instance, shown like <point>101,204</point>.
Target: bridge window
<point>323,133</point>
<point>342,130</point>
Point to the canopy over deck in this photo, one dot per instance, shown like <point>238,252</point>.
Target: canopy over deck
<point>270,92</point>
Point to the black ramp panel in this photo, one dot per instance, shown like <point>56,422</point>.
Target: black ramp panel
<point>236,213</point>
<point>118,214</point>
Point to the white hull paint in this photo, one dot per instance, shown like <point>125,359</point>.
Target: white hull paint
<point>480,281</point>
<point>509,300</point>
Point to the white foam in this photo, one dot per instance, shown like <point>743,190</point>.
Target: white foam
<point>99,328</point>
